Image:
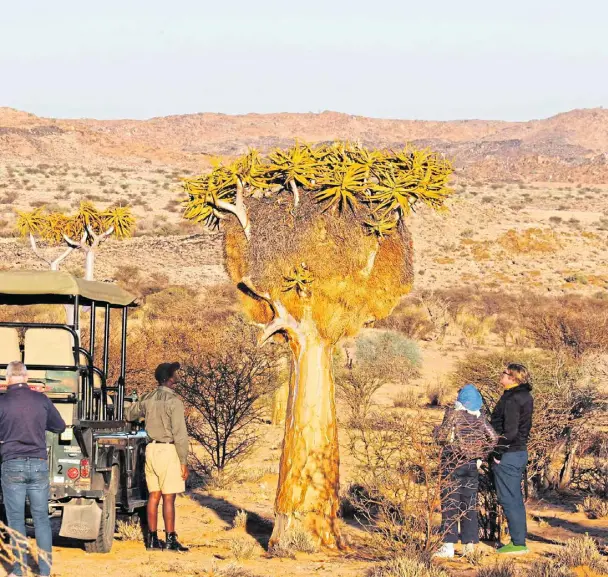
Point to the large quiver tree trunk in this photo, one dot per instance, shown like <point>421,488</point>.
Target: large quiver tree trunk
<point>308,489</point>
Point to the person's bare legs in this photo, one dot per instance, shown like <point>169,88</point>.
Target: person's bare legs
<point>152,510</point>
<point>169,512</point>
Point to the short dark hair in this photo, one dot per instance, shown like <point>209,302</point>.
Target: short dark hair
<point>165,371</point>
<point>519,372</point>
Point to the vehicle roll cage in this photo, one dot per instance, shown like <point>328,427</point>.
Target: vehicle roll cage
<point>92,402</point>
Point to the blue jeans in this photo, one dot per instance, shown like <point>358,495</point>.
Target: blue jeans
<point>507,478</point>
<point>21,477</point>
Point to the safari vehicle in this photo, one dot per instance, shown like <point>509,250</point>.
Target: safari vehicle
<point>97,464</point>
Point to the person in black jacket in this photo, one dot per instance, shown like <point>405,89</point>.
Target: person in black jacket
<point>512,420</point>
<point>25,416</point>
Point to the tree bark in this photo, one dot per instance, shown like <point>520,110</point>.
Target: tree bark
<point>280,397</point>
<point>308,490</point>
<point>565,476</point>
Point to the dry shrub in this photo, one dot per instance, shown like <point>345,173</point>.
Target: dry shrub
<point>548,568</point>
<point>10,538</point>
<point>295,539</point>
<point>230,570</point>
<point>572,325</point>
<point>406,567</point>
<point>133,279</point>
<point>243,547</point>
<point>594,507</point>
<point>398,489</point>
<point>411,320</point>
<point>475,557</point>
<point>129,530</point>
<point>406,400</point>
<point>437,393</point>
<point>374,359</point>
<point>474,329</point>
<point>240,520</point>
<point>530,240</point>
<point>582,552</point>
<point>501,569</point>
<point>224,394</point>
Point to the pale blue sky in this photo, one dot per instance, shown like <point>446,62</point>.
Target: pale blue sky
<point>442,59</point>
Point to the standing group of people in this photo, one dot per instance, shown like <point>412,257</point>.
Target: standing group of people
<point>468,439</point>
<point>26,415</point>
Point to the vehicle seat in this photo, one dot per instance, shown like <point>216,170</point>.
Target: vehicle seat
<point>9,350</point>
<point>51,347</point>
<point>66,410</point>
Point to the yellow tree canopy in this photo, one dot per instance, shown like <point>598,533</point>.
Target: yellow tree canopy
<point>320,228</point>
<point>88,222</point>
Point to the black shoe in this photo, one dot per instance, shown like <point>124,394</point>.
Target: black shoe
<point>153,543</point>
<point>174,545</point>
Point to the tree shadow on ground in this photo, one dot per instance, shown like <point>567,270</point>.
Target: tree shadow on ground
<point>260,528</point>
<point>574,527</point>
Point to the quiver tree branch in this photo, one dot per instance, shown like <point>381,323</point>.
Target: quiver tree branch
<point>282,321</point>
<point>90,224</point>
<point>296,193</point>
<point>53,264</point>
<point>89,243</point>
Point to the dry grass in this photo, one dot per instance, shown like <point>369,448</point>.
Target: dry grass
<point>231,570</point>
<point>406,400</point>
<point>530,241</point>
<point>582,551</point>
<point>594,507</point>
<point>243,547</point>
<point>129,530</point>
<point>240,520</point>
<point>548,568</point>
<point>475,329</point>
<point>406,567</point>
<point>437,393</point>
<point>475,557</point>
<point>296,539</point>
<point>503,569</point>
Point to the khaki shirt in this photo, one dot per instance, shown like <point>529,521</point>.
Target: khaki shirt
<point>163,412</point>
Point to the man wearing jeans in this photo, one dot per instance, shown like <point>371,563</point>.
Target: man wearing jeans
<point>512,420</point>
<point>25,415</point>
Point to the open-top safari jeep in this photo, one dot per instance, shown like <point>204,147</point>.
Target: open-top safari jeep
<point>97,464</point>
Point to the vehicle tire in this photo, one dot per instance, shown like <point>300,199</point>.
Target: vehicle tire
<point>107,525</point>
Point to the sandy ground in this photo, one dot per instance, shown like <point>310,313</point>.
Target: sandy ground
<point>205,519</point>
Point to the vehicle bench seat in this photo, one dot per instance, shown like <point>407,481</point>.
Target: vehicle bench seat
<point>9,350</point>
<point>51,347</point>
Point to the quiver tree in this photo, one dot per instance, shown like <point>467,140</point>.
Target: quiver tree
<point>84,230</point>
<point>318,248</point>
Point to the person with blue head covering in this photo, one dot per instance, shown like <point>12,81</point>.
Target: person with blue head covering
<point>466,438</point>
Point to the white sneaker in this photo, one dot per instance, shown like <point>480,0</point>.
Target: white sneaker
<point>445,552</point>
<point>468,549</point>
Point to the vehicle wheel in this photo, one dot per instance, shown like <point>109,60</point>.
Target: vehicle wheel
<point>107,525</point>
<point>103,543</point>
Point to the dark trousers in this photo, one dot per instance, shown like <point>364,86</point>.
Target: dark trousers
<point>507,478</point>
<point>459,504</point>
<point>21,478</point>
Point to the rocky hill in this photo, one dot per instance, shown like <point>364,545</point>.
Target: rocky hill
<point>530,210</point>
<point>569,147</point>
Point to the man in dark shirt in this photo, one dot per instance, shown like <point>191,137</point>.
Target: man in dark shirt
<point>512,420</point>
<point>25,416</point>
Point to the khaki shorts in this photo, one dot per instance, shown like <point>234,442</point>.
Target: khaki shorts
<point>163,469</point>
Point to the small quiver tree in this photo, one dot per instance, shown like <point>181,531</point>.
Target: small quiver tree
<point>318,248</point>
<point>84,230</point>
